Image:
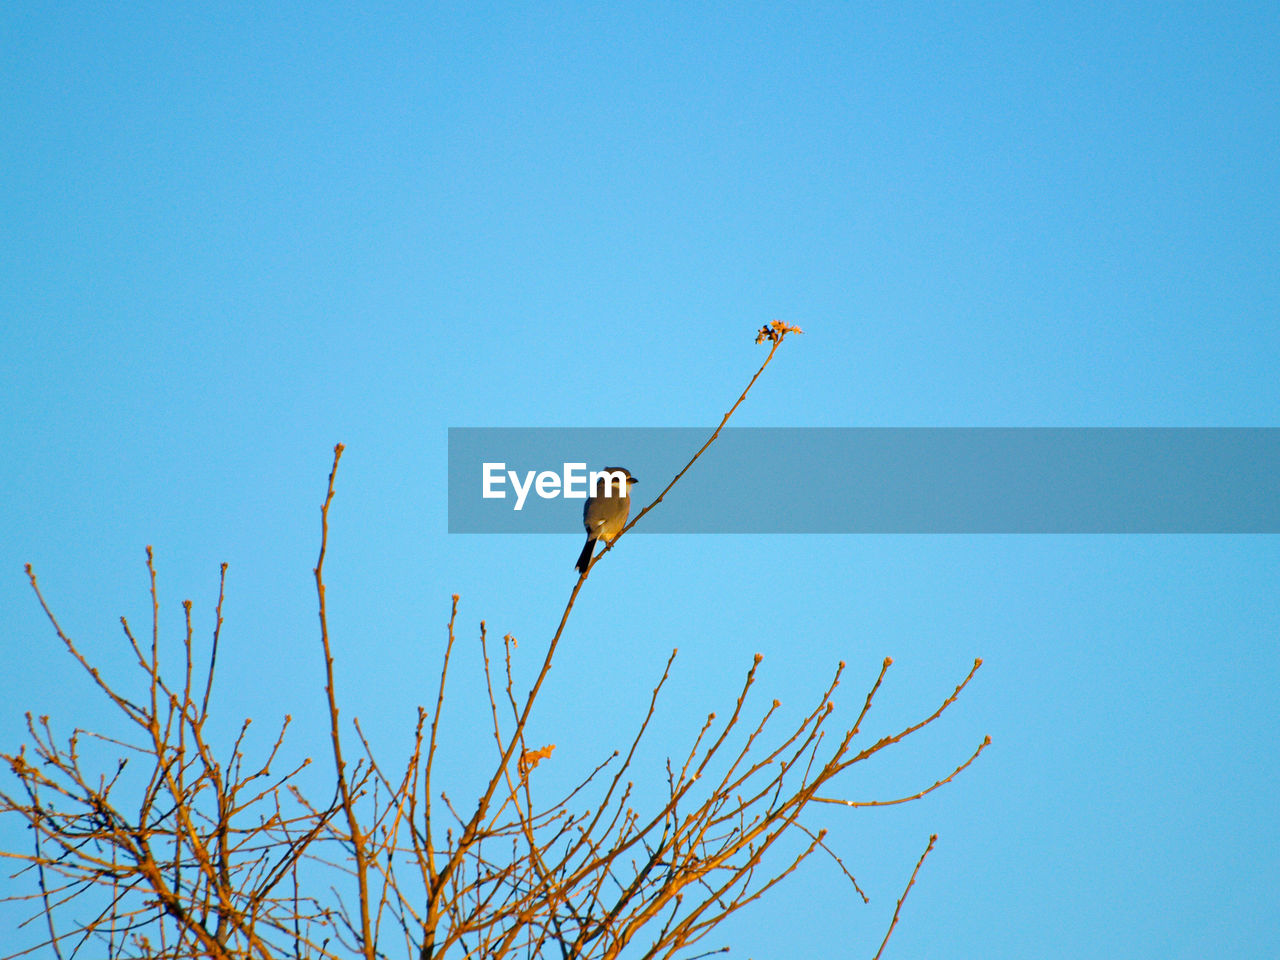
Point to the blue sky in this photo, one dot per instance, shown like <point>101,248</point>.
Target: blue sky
<point>231,238</point>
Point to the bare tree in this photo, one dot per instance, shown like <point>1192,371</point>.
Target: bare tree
<point>169,851</point>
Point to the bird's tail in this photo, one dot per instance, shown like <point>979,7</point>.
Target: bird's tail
<point>585,557</point>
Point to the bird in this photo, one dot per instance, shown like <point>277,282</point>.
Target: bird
<point>605,513</point>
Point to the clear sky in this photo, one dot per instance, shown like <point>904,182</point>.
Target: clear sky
<point>232,235</point>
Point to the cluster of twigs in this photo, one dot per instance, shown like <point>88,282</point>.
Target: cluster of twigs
<point>192,857</point>
<point>173,853</point>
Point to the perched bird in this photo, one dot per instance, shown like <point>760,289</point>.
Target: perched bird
<point>606,511</point>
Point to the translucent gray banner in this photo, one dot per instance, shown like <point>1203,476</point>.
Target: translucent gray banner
<point>877,480</point>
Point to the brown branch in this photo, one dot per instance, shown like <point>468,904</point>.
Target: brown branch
<point>910,883</point>
<point>986,741</point>
<point>213,652</point>
<point>775,332</point>
<point>367,945</point>
<point>131,710</point>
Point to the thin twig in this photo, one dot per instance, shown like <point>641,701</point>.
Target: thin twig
<point>213,652</point>
<point>910,883</point>
<point>365,932</point>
